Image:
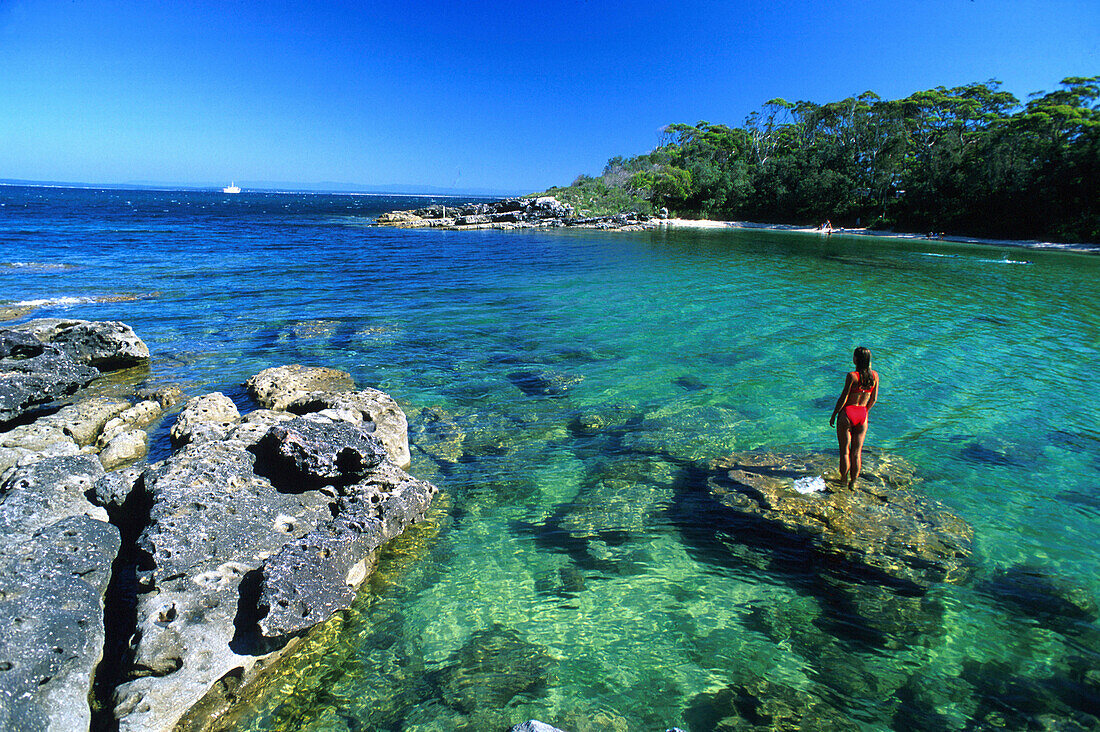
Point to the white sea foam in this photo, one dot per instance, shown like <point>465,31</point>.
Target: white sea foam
<point>811,484</point>
<point>55,301</point>
<point>34,265</point>
<point>1005,261</point>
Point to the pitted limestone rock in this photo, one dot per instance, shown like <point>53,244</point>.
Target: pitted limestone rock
<point>124,448</point>
<point>12,457</point>
<point>33,374</point>
<point>212,521</point>
<point>36,436</point>
<point>115,487</point>
<point>52,582</point>
<point>61,433</point>
<point>310,450</point>
<point>45,491</point>
<point>313,577</point>
<point>106,345</point>
<point>378,408</point>
<point>204,418</point>
<point>85,420</point>
<point>882,530</point>
<point>166,396</point>
<point>219,528</point>
<point>56,551</point>
<point>278,387</point>
<point>254,426</point>
<point>136,417</point>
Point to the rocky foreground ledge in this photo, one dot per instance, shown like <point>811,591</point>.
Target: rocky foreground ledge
<point>212,562</point>
<point>543,212</point>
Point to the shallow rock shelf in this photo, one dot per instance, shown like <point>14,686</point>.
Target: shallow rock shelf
<point>179,580</point>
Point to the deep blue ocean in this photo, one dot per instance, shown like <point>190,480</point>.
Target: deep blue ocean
<point>608,603</point>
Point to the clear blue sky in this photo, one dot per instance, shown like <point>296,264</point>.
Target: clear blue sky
<point>512,96</point>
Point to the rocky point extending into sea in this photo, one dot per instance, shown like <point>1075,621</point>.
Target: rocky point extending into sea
<point>545,212</point>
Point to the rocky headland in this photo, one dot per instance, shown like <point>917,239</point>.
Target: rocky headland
<point>541,212</point>
<point>155,589</point>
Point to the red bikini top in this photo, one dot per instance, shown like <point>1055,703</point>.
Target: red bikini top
<point>856,385</point>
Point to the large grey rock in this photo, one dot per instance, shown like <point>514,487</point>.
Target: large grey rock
<point>29,442</point>
<point>377,408</point>
<point>882,530</point>
<point>212,522</point>
<point>278,387</point>
<point>313,577</point>
<point>166,396</point>
<point>45,491</point>
<point>106,345</point>
<point>538,211</point>
<point>310,450</point>
<point>33,374</point>
<point>56,551</point>
<point>206,417</point>
<point>10,457</point>
<point>52,584</point>
<point>233,556</point>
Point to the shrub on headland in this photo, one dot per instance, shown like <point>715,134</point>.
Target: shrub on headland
<point>967,160</point>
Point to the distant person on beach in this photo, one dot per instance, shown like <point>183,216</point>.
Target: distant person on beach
<point>859,395</point>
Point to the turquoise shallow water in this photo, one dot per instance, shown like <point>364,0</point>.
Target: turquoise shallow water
<point>610,597</point>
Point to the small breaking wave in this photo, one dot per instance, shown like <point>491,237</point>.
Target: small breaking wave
<point>52,302</point>
<point>13,310</point>
<point>42,266</point>
<point>1005,261</point>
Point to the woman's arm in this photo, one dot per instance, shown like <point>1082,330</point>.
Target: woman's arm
<point>848,381</point>
<point>874,393</point>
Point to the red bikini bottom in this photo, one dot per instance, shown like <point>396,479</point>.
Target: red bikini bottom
<point>856,414</point>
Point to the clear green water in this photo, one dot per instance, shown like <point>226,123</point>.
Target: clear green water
<point>590,559</point>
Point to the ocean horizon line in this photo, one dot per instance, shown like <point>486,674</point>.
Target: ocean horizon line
<point>274,187</point>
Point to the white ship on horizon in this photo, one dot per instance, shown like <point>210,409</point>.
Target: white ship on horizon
<point>231,188</point>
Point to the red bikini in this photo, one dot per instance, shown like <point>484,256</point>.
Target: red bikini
<point>857,413</point>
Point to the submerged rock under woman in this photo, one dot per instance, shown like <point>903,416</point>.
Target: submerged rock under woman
<point>859,395</point>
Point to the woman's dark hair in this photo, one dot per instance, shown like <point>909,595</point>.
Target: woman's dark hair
<point>862,358</point>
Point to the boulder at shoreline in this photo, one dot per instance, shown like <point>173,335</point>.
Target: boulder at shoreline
<point>260,527</point>
<point>56,546</point>
<point>881,531</point>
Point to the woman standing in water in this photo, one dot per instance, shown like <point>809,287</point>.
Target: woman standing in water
<point>859,395</point>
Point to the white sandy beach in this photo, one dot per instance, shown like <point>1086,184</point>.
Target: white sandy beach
<point>1021,243</point>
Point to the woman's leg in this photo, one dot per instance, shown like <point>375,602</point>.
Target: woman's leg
<point>844,439</point>
<point>858,433</point>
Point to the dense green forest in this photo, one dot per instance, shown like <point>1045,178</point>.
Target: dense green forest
<point>968,160</point>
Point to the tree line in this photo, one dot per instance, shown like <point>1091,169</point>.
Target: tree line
<point>971,160</point>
